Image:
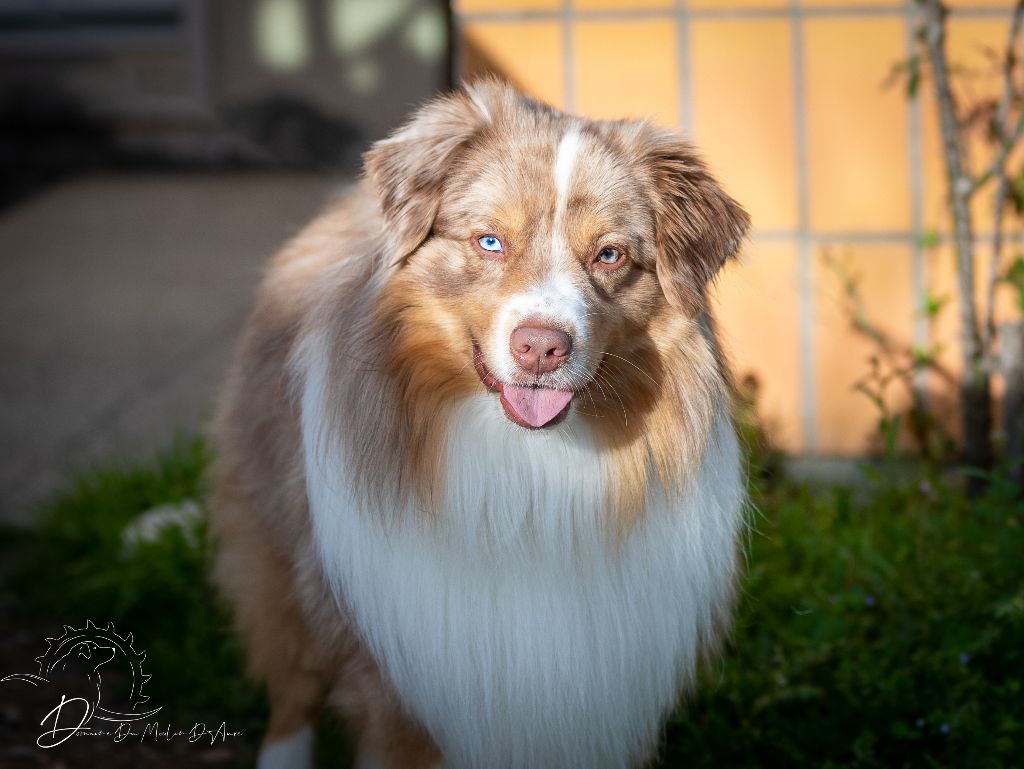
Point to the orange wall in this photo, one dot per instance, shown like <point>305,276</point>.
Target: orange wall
<point>788,102</point>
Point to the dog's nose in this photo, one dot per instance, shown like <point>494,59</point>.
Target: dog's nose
<point>540,349</point>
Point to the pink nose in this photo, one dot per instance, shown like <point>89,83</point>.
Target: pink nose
<point>539,349</point>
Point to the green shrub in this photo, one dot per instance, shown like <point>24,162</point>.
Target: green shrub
<point>79,567</point>
<point>882,627</point>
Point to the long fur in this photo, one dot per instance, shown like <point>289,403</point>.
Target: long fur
<point>468,592</point>
<point>518,631</point>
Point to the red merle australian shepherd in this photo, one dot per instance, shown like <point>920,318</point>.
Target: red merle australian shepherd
<point>478,486</point>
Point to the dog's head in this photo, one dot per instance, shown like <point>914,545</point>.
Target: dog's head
<point>535,245</point>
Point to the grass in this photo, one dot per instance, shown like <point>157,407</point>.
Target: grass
<point>887,632</point>
<point>878,629</point>
<point>77,566</point>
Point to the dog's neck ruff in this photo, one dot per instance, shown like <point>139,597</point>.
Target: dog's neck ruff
<point>512,623</point>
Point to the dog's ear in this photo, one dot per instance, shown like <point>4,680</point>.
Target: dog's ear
<point>407,169</point>
<point>698,226</point>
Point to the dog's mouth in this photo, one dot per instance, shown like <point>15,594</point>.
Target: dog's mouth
<point>530,406</point>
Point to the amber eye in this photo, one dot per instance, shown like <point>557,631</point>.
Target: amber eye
<point>608,258</point>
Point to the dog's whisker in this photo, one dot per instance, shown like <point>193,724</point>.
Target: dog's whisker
<point>622,406</point>
<point>631,363</point>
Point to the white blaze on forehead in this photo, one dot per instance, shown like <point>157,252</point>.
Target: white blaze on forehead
<point>557,289</point>
<point>565,162</point>
<point>554,298</point>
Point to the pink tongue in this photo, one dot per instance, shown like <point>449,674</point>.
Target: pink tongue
<point>535,405</point>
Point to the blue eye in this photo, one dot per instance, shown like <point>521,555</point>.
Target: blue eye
<point>490,243</point>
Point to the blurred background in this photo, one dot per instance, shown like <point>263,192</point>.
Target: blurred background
<point>801,110</point>
<point>155,153</point>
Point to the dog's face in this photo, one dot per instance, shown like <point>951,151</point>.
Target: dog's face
<point>543,243</point>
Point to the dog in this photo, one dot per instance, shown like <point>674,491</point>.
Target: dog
<point>477,483</point>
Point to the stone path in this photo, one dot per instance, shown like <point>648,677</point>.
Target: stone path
<point>120,302</point>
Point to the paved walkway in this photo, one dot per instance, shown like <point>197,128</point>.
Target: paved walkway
<point>120,302</point>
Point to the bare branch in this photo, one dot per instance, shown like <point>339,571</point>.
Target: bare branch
<point>999,161</point>
<point>1008,137</point>
<point>934,35</point>
<point>960,187</point>
<point>1009,141</point>
<point>977,413</point>
<point>988,329</point>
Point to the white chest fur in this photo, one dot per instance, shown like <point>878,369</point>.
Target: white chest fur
<point>510,625</point>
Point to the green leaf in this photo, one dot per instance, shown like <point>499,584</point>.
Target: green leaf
<point>932,305</point>
<point>1016,191</point>
<point>923,358</point>
<point>929,239</point>
<point>1015,277</point>
<point>911,68</point>
<point>913,76</point>
<point>891,432</point>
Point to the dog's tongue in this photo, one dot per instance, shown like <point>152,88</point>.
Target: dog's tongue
<point>536,406</point>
